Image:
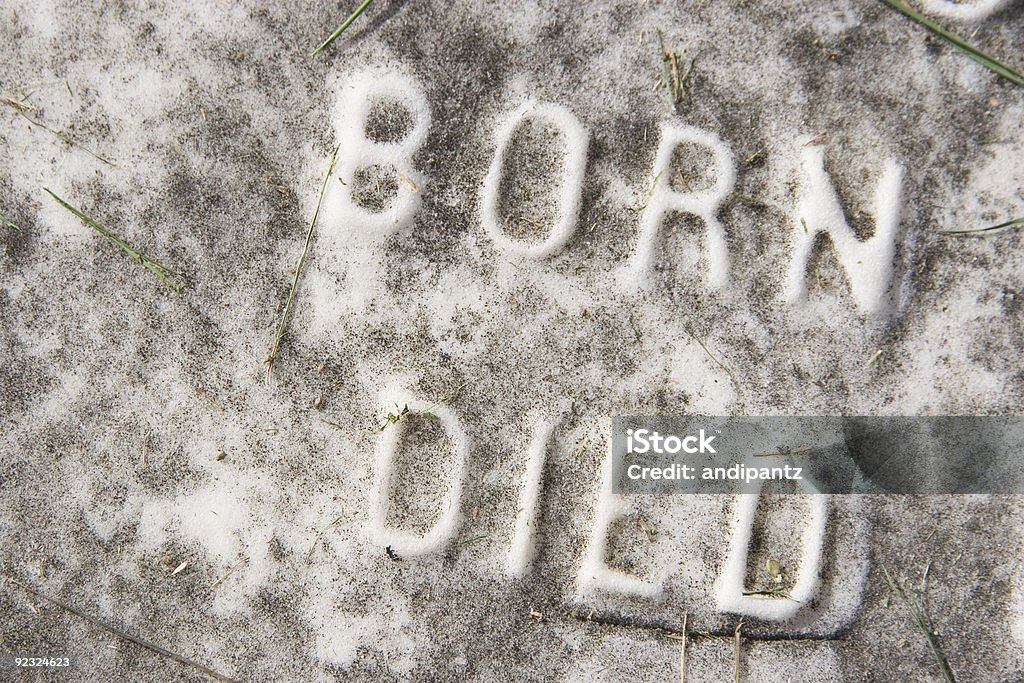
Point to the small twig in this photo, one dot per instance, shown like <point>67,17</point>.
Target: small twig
<point>756,156</point>
<point>319,535</point>
<point>673,77</point>
<point>238,565</point>
<point>428,412</point>
<point>923,621</point>
<point>736,653</point>
<point>650,194</point>
<point>394,418</point>
<point>472,540</point>
<point>341,29</point>
<point>974,53</point>
<point>753,201</point>
<point>445,399</point>
<point>728,371</point>
<point>161,271</point>
<point>772,594</point>
<point>9,223</point>
<point>63,136</point>
<point>406,180</point>
<point>1015,223</point>
<point>682,652</point>
<point>206,396</point>
<point>298,270</point>
<point>18,106</point>
<point>118,632</point>
<point>816,139</point>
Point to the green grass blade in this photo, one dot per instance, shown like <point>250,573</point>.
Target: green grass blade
<point>341,29</point>
<point>283,325</point>
<point>919,614</point>
<point>1016,222</point>
<point>971,51</point>
<point>61,135</point>
<point>161,271</point>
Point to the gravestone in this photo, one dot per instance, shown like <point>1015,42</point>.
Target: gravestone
<point>530,218</point>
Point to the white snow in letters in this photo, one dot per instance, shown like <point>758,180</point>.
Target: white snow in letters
<point>964,11</point>
<point>522,548</point>
<point>868,263</point>
<point>731,588</point>
<point>403,542</point>
<point>575,164</point>
<point>703,204</point>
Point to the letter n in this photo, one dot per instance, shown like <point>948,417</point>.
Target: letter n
<point>868,263</point>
